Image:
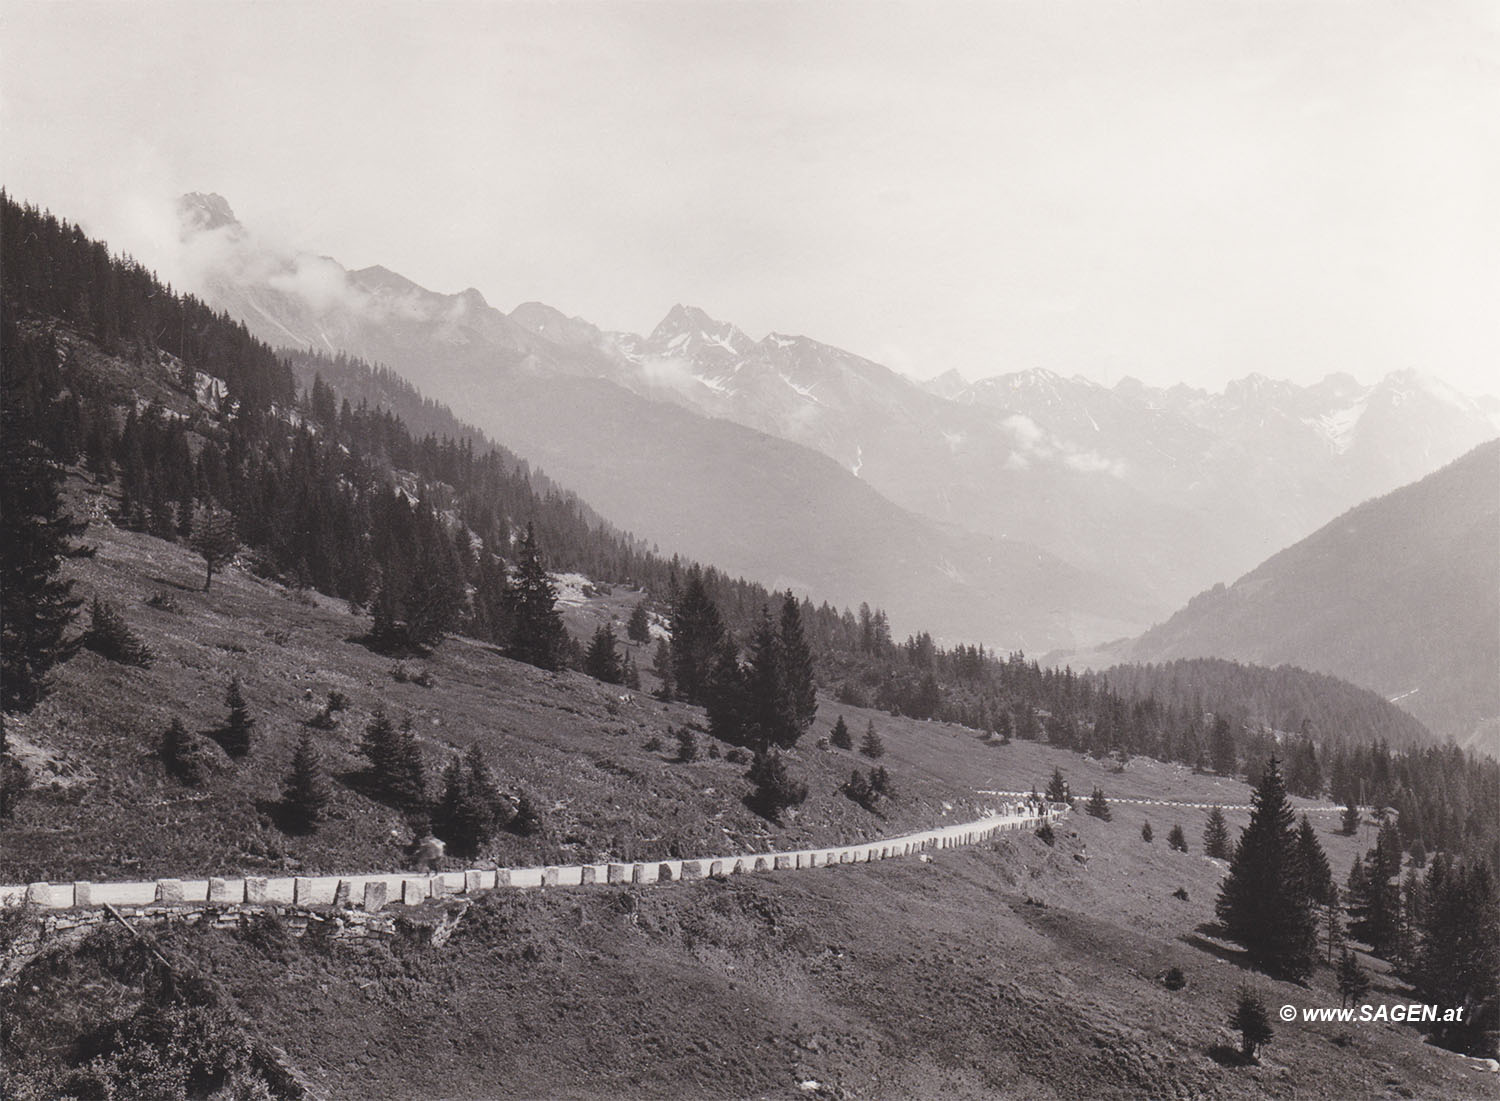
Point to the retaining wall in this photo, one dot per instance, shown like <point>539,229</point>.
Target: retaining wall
<point>373,893</point>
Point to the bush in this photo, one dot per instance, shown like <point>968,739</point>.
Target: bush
<point>687,745</point>
<point>1146,834</point>
<point>1180,894</point>
<point>1174,979</point>
<point>527,820</point>
<point>1045,834</point>
<point>737,756</point>
<point>109,636</point>
<point>653,744</point>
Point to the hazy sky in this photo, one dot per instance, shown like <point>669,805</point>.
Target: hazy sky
<point>1178,191</point>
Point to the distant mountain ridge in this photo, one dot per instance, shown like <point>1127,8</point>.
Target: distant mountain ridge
<point>559,392</point>
<point>1142,495</point>
<point>1400,595</point>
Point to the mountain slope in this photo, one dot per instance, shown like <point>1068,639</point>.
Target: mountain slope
<point>1400,595</point>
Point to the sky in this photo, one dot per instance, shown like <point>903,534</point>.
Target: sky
<point>1178,192</point>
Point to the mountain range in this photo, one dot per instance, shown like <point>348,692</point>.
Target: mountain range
<point>1024,509</point>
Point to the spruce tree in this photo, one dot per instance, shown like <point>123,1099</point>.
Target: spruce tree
<point>1251,1020</point>
<point>1315,864</point>
<point>234,735</point>
<point>841,736</point>
<point>797,662</point>
<point>871,744</point>
<point>215,541</point>
<point>1354,981</point>
<point>771,716</point>
<point>110,636</point>
<point>1098,806</point>
<point>1375,896</point>
<point>726,695</point>
<point>697,640</point>
<point>36,604</point>
<point>1216,835</point>
<point>602,661</point>
<point>306,794</point>
<point>1222,747</point>
<point>537,635</point>
<point>1350,820</point>
<point>1458,960</point>
<point>775,788</point>
<point>1057,788</point>
<point>1265,904</point>
<point>182,755</point>
<point>661,665</point>
<point>638,629</point>
<point>1176,839</point>
<point>470,808</point>
<point>1146,834</point>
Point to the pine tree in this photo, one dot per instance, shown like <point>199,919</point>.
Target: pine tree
<point>234,735</point>
<point>110,636</point>
<point>36,604</point>
<point>1098,806</point>
<point>771,717</point>
<point>797,662</point>
<point>602,662</point>
<point>775,789</point>
<point>661,665</point>
<point>697,639</point>
<point>537,635</point>
<point>841,736</point>
<point>1146,834</point>
<point>306,794</point>
<point>1265,904</point>
<point>1057,788</point>
<point>470,808</point>
<point>1251,1020</point>
<point>638,629</point>
<point>182,755</point>
<point>871,744</point>
<point>1216,835</point>
<point>215,541</point>
<point>1354,981</point>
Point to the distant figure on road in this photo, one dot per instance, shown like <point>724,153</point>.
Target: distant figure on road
<point>427,852</point>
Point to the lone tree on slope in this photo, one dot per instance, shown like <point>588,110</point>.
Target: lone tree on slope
<point>215,541</point>
<point>1252,1022</point>
<point>1266,902</point>
<point>306,795</point>
<point>841,736</point>
<point>1098,806</point>
<point>871,744</point>
<point>234,735</point>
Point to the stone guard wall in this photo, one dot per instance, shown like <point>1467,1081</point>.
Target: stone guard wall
<point>375,892</point>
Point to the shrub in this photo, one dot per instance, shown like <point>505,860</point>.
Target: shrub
<point>713,751</point>
<point>687,745</point>
<point>1045,834</point>
<point>1180,894</point>
<point>653,744</point>
<point>1146,834</point>
<point>527,820</point>
<point>737,756</point>
<point>109,636</point>
<point>1174,979</point>
<point>13,784</point>
<point>337,701</point>
<point>858,789</point>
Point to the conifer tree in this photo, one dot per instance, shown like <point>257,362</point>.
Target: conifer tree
<point>725,691</point>
<point>632,674</point>
<point>638,629</point>
<point>1222,747</point>
<point>1315,864</point>
<point>36,604</point>
<point>775,788</point>
<point>1350,820</point>
<point>1375,896</point>
<point>1057,788</point>
<point>234,735</point>
<point>602,661</point>
<point>110,636</point>
<point>871,744</point>
<point>1098,806</point>
<point>1146,834</point>
<point>1216,835</point>
<point>182,755</point>
<point>771,717</point>
<point>470,808</point>
<point>1458,960</point>
<point>537,635</point>
<point>1265,904</point>
<point>797,662</point>
<point>306,794</point>
<point>697,640</point>
<point>215,541</point>
<point>1354,981</point>
<point>661,665</point>
<point>1176,839</point>
<point>841,736</point>
<point>1251,1020</point>
<point>381,746</point>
